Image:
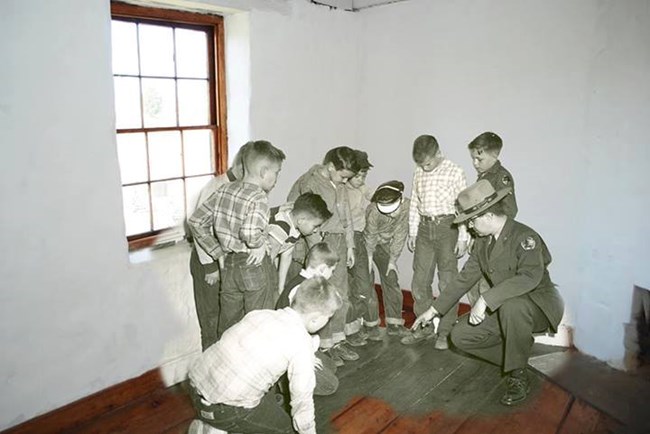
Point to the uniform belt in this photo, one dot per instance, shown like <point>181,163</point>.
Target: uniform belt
<point>436,218</point>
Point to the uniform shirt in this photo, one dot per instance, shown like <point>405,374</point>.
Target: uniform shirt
<point>238,213</point>
<point>387,229</point>
<point>207,190</point>
<point>282,231</point>
<point>500,178</point>
<point>250,357</point>
<point>359,199</point>
<point>335,196</point>
<point>434,193</point>
<point>517,265</point>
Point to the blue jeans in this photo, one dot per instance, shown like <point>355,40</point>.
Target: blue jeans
<point>390,289</point>
<point>363,298</point>
<point>245,288</point>
<point>267,417</point>
<point>434,247</point>
<point>206,300</point>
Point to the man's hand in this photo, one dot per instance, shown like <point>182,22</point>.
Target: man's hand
<point>256,255</point>
<point>410,243</point>
<point>212,278</point>
<point>425,318</point>
<point>477,314</point>
<point>392,266</point>
<point>461,248</point>
<point>350,262</point>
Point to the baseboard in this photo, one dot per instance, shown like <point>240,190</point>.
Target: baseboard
<point>75,414</point>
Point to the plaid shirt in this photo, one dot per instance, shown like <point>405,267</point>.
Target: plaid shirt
<point>282,231</point>
<point>434,193</point>
<point>335,196</point>
<point>359,199</point>
<point>251,356</point>
<point>238,213</point>
<point>387,229</point>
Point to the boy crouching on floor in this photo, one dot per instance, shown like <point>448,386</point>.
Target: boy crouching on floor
<point>231,383</point>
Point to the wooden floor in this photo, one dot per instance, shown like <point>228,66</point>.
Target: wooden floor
<point>394,389</point>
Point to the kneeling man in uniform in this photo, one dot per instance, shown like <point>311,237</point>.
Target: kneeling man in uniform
<point>521,300</point>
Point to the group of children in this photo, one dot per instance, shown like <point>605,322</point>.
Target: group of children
<point>288,292</point>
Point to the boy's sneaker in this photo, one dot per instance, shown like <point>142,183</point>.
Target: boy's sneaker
<point>355,340</point>
<point>441,343</point>
<point>418,335</point>
<point>344,353</point>
<point>199,427</point>
<point>397,330</point>
<point>374,334</point>
<point>363,332</point>
<point>334,356</point>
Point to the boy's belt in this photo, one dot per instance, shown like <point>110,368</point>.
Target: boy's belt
<point>436,218</point>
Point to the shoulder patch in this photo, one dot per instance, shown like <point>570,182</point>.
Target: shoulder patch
<point>506,180</point>
<point>529,243</point>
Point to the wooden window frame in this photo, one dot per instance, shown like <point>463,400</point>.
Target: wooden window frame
<point>218,115</point>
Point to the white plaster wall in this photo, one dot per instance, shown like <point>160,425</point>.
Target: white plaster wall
<point>77,312</point>
<point>565,85</point>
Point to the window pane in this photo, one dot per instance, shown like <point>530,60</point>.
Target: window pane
<point>193,188</point>
<point>125,48</point>
<point>127,103</point>
<point>191,53</point>
<point>168,203</point>
<point>193,102</point>
<point>165,159</point>
<point>132,153</point>
<point>156,50</point>
<point>136,209</point>
<point>198,152</point>
<point>159,102</point>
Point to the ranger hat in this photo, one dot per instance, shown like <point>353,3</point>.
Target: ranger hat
<point>477,198</point>
<point>388,196</point>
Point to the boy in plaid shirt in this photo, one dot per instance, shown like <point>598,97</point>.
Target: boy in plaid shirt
<point>433,237</point>
<point>231,383</point>
<point>237,231</point>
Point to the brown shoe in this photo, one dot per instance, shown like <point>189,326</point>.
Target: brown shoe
<point>517,388</point>
<point>397,330</point>
<point>418,335</point>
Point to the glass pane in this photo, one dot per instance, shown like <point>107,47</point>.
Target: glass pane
<point>125,48</point>
<point>156,50</point>
<point>165,160</point>
<point>191,53</point>
<point>132,153</point>
<point>198,152</point>
<point>159,102</point>
<point>193,102</point>
<point>136,209</point>
<point>127,102</point>
<point>193,188</point>
<point>168,203</point>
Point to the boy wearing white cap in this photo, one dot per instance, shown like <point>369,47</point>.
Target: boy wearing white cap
<point>385,235</point>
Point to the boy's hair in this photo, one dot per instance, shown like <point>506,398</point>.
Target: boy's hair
<point>260,150</point>
<point>423,147</point>
<point>321,253</point>
<point>313,204</point>
<point>316,295</point>
<point>362,160</point>
<point>488,142</point>
<point>342,158</point>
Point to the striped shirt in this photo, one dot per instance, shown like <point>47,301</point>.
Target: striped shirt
<point>434,193</point>
<point>335,196</point>
<point>251,356</point>
<point>238,213</point>
<point>282,231</point>
<point>387,229</point>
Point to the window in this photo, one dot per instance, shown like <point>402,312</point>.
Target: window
<point>168,72</point>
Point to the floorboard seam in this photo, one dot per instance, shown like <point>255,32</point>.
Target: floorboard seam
<point>566,414</point>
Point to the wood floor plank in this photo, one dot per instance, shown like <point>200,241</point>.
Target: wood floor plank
<point>436,422</point>
<point>366,416</point>
<point>584,419</point>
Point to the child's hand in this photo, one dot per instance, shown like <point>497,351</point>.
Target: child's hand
<point>391,267</point>
<point>410,243</point>
<point>256,255</point>
<point>212,278</point>
<point>461,248</point>
<point>350,257</point>
<point>370,264</point>
<point>318,364</point>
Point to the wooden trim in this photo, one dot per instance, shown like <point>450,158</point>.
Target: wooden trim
<point>130,10</point>
<point>222,140</point>
<point>84,410</point>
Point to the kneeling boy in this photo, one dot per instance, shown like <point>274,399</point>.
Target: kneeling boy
<point>231,384</point>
